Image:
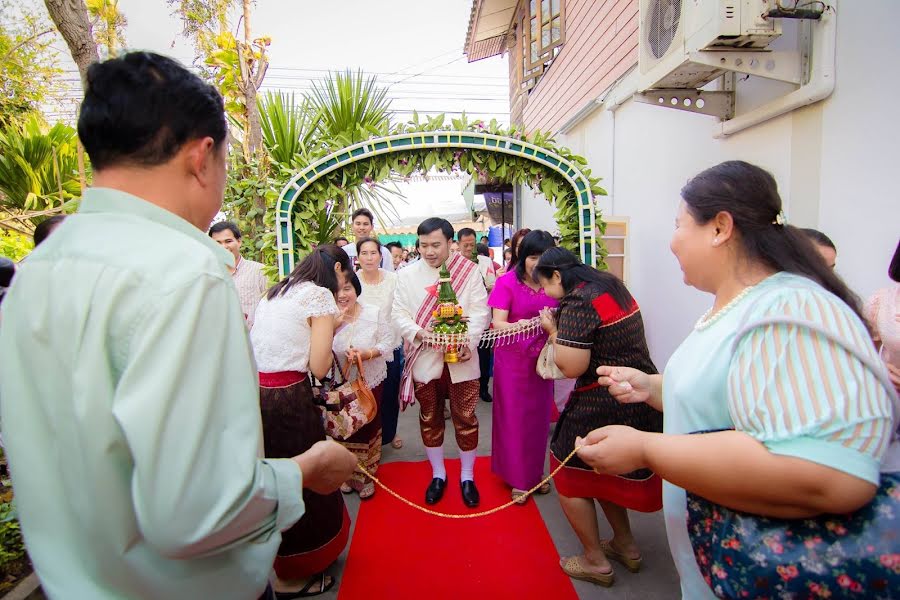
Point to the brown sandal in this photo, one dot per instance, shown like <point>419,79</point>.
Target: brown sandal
<point>397,443</point>
<point>632,564</point>
<point>574,569</point>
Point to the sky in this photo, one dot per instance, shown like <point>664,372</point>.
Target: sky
<point>413,46</point>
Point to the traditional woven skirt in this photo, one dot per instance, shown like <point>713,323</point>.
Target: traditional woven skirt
<point>590,408</point>
<point>291,425</point>
<point>365,444</point>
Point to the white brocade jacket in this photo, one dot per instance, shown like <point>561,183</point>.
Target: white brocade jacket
<point>412,284</point>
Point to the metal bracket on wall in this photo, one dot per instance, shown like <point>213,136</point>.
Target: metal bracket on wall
<point>716,103</point>
<point>781,66</point>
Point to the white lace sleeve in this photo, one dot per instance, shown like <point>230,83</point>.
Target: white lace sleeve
<point>384,339</point>
<point>318,302</point>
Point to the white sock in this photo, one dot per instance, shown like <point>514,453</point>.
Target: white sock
<point>436,458</point>
<point>467,464</point>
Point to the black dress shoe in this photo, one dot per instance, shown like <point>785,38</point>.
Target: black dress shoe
<point>435,490</point>
<point>470,493</point>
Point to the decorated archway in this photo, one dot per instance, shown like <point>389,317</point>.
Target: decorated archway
<point>552,161</point>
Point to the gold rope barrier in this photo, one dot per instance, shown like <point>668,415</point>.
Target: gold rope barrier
<point>483,513</point>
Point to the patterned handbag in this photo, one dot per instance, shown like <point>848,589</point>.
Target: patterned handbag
<point>346,407</point>
<point>742,555</point>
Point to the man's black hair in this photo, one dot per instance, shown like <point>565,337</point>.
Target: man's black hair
<point>819,238</point>
<point>394,245</point>
<point>141,108</point>
<point>46,227</point>
<point>483,250</point>
<point>433,224</point>
<point>363,212</point>
<point>338,239</point>
<point>465,231</point>
<point>222,226</point>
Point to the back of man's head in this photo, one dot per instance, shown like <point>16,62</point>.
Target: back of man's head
<point>139,109</point>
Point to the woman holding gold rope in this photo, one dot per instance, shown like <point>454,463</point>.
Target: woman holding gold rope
<point>804,421</point>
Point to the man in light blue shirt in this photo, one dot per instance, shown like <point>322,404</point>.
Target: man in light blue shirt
<point>127,386</point>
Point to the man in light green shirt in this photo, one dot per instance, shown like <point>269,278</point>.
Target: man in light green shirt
<point>128,389</point>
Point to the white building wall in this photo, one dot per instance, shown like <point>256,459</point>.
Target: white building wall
<point>836,163</point>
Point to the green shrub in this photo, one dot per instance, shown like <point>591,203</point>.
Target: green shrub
<point>12,547</point>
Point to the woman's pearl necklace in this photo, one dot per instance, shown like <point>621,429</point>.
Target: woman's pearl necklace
<point>709,317</point>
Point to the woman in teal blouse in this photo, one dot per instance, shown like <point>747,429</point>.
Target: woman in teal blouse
<point>812,424</point>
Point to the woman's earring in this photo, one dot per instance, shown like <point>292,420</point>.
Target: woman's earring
<point>715,241</point>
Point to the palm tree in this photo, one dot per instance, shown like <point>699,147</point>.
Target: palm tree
<point>289,129</point>
<point>38,173</point>
<point>351,109</point>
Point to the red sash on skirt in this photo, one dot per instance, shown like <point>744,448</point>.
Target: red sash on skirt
<point>280,378</point>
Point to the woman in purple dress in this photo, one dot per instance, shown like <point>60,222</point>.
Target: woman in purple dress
<point>522,399</point>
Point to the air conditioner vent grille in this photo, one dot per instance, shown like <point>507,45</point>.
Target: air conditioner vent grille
<point>663,24</point>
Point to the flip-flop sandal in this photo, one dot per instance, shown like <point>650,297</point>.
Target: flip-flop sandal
<point>632,564</point>
<point>397,443</point>
<point>572,567</point>
<point>519,496</point>
<point>309,590</point>
<point>367,492</point>
<point>544,489</point>
<point>346,489</point>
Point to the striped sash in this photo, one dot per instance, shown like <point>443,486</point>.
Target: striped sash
<point>460,269</point>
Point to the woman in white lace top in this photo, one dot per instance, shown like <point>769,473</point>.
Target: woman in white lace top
<point>292,337</point>
<point>366,336</point>
<point>378,288</point>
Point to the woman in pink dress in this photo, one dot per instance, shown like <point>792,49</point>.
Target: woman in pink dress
<point>522,399</point>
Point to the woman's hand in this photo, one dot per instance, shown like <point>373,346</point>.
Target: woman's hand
<point>363,355</point>
<point>625,384</point>
<point>614,449</point>
<point>548,321</point>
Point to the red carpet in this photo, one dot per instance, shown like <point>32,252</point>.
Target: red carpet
<point>398,552</point>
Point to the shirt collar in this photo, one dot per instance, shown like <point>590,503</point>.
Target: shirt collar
<point>108,200</point>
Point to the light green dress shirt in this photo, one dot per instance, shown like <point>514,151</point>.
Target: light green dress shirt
<point>130,412</point>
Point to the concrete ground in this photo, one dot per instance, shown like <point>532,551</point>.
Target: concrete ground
<point>657,579</point>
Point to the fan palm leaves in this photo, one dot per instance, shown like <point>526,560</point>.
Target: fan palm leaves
<point>289,128</point>
<point>38,169</point>
<point>352,108</point>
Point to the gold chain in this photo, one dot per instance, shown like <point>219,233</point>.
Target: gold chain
<point>483,513</point>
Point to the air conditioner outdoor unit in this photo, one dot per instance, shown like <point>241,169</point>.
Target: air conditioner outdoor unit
<point>682,41</point>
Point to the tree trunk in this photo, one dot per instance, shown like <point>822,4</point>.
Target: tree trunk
<point>252,79</point>
<point>71,18</point>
